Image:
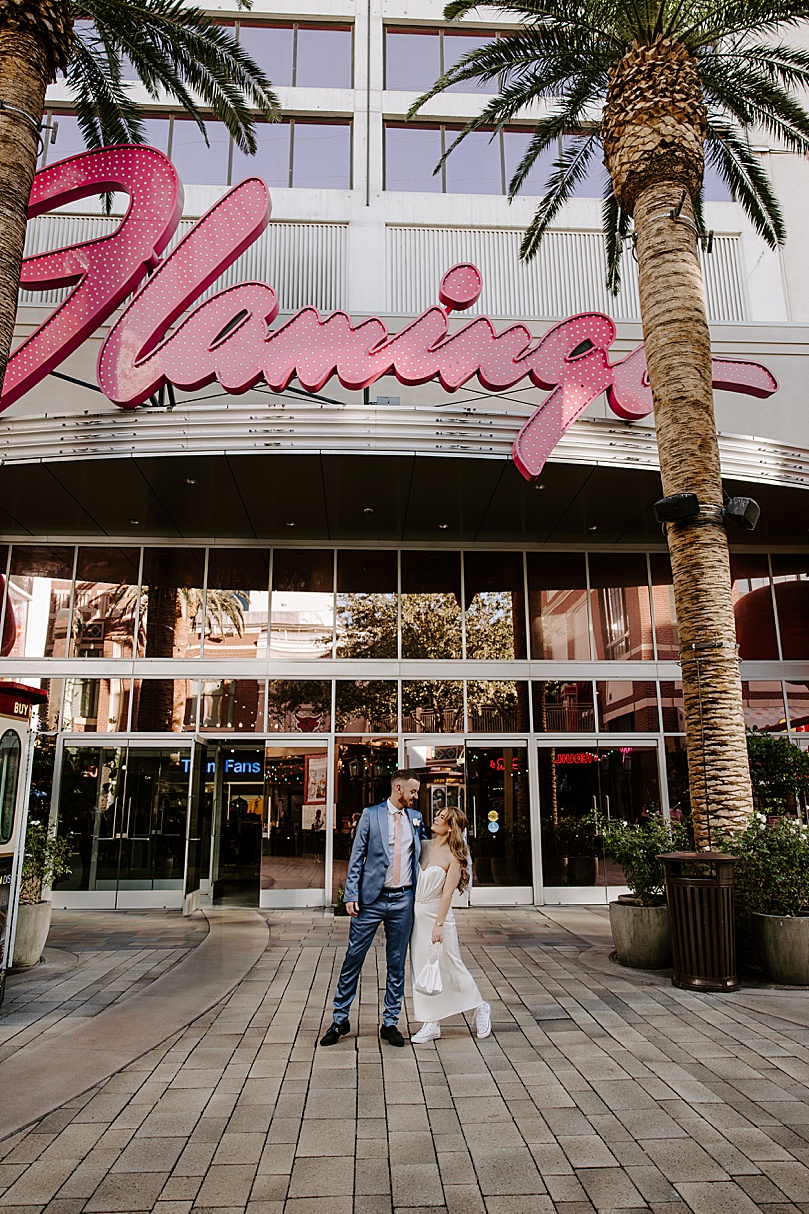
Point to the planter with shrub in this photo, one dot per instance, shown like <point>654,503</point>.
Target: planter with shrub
<point>45,858</point>
<point>639,920</point>
<point>772,896</point>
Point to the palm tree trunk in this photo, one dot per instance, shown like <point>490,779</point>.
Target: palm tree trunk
<point>24,76</point>
<point>678,352</point>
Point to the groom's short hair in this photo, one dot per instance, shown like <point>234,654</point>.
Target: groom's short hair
<point>402,775</point>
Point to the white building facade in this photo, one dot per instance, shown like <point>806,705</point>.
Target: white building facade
<point>248,610</point>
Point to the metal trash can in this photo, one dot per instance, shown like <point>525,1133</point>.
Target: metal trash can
<point>700,905</point>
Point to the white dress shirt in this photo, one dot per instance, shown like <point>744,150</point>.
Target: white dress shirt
<point>406,869</point>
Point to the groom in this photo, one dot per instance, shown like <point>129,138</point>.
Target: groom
<point>379,888</point>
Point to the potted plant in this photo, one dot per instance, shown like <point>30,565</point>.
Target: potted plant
<point>44,859</point>
<point>772,895</point>
<point>554,858</point>
<point>639,920</point>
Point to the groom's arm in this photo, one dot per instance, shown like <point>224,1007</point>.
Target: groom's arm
<point>358,853</point>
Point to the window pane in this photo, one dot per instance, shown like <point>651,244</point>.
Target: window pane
<point>668,643</point>
<point>299,706</point>
<point>302,604</point>
<point>515,145</point>
<point>431,605</point>
<point>671,703</point>
<point>557,606</point>
<point>619,599</point>
<point>271,47</point>
<point>96,705</point>
<point>791,578</point>
<point>323,58</point>
<point>627,707</point>
<point>497,809</point>
<point>497,706</point>
<point>164,705</point>
<point>677,779</point>
<point>105,602</point>
<point>457,45</point>
<point>38,602</point>
<point>495,605</point>
<point>10,752</point>
<point>432,706</point>
<point>196,162</point>
<point>321,156</point>
<point>364,768</point>
<point>156,133</point>
<point>714,189</point>
<point>232,705</point>
<point>561,707</point>
<point>412,61</point>
<point>293,850</point>
<point>367,624</point>
<point>237,603</point>
<point>366,706</point>
<point>798,703</point>
<point>763,705</point>
<point>411,155</point>
<point>171,604</point>
<point>69,139</point>
<point>271,161</point>
<point>474,167</point>
<point>593,183</point>
<point>753,607</point>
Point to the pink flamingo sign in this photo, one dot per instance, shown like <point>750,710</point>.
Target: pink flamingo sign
<point>231,339</point>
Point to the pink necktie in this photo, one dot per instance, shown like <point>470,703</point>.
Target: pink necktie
<point>396,876</point>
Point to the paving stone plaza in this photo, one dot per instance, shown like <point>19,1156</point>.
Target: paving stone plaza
<point>601,1088</point>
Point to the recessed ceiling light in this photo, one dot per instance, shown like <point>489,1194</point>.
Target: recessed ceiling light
<point>290,524</point>
<point>368,510</point>
<point>538,486</point>
<point>135,522</point>
<point>593,528</point>
<point>190,480</point>
<point>443,526</point>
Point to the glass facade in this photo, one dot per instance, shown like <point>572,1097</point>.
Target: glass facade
<point>531,686</point>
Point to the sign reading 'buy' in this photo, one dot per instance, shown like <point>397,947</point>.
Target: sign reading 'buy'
<point>229,338</point>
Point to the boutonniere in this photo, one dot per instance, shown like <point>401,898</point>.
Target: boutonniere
<point>417,819</point>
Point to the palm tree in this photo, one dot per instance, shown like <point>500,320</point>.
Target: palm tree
<point>660,85</point>
<point>178,52</point>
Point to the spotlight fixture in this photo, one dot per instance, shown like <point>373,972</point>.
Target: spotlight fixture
<point>677,507</point>
<point>744,511</point>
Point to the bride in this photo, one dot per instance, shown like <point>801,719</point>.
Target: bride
<point>446,870</point>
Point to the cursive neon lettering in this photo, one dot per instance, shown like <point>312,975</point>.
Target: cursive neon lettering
<point>229,338</point>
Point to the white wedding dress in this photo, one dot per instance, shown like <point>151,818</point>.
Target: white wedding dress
<point>459,991</point>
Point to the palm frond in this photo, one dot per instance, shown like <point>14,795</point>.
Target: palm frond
<point>728,151</point>
<point>569,170</point>
<point>616,225</point>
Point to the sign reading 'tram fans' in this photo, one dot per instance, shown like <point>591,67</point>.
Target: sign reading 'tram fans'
<point>229,338</point>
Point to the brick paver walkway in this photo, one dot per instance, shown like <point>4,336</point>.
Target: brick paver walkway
<point>600,1089</point>
<point>93,959</point>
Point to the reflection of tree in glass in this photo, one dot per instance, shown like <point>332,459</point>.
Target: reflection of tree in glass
<point>372,701</point>
<point>166,613</point>
<point>490,626</point>
<point>431,626</point>
<point>366,626</point>
<point>299,705</point>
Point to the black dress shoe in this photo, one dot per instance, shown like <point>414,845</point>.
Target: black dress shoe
<point>335,1033</point>
<point>391,1034</point>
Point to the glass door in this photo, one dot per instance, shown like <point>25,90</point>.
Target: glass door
<point>622,780</point>
<point>298,827</point>
<point>125,810</point>
<point>487,780</point>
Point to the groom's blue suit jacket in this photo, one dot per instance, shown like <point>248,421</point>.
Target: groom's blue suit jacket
<point>370,855</point>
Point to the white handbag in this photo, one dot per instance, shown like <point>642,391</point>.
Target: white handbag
<point>428,980</point>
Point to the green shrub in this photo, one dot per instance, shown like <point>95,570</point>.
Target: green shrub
<point>772,867</point>
<point>636,848</point>
<point>45,858</point>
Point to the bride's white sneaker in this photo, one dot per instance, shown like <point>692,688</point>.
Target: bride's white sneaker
<point>483,1020</point>
<point>429,1031</point>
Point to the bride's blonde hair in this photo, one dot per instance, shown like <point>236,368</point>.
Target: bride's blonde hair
<point>457,844</point>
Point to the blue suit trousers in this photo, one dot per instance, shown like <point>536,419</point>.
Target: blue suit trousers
<point>394,908</point>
